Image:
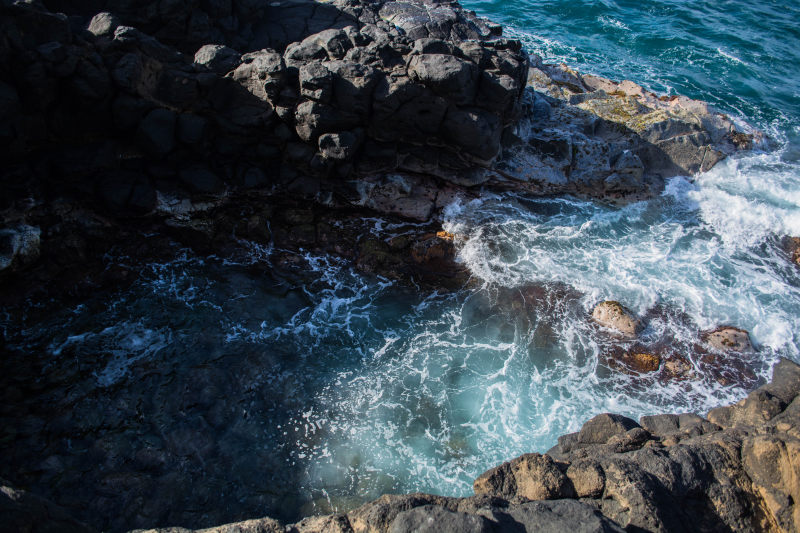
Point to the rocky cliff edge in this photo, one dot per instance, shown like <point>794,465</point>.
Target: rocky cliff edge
<point>738,469</point>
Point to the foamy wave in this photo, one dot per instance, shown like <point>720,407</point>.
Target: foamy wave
<point>730,56</point>
<point>748,198</point>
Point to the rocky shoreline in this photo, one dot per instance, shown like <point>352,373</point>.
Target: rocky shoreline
<point>294,124</point>
<point>129,117</point>
<point>735,470</point>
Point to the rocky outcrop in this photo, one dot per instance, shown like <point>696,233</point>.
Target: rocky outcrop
<point>595,137</point>
<point>170,112</point>
<point>728,338</point>
<point>296,94</point>
<point>214,121</point>
<point>614,316</point>
<point>737,470</point>
<point>380,105</point>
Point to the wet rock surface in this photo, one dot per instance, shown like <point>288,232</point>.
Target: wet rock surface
<point>614,316</point>
<point>287,124</point>
<point>595,137</point>
<point>736,470</point>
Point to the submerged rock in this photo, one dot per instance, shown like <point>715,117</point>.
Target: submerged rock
<point>643,362</point>
<point>792,246</point>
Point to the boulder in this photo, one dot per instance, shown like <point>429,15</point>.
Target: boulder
<point>615,316</point>
<point>561,515</point>
<point>531,476</point>
<point>435,519</point>
<point>587,478</point>
<point>448,76</point>
<point>728,339</point>
<point>263,73</point>
<point>103,24</point>
<point>603,427</point>
<point>339,146</point>
<point>217,58</point>
<point>259,525</point>
<point>792,246</point>
<point>316,82</point>
<point>635,362</point>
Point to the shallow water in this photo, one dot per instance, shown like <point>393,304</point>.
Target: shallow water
<point>231,389</point>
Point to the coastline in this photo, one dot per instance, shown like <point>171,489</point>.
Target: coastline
<point>550,131</point>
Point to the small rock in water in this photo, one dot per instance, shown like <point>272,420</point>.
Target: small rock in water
<point>728,338</point>
<point>614,316</point>
<point>792,246</point>
<point>640,362</point>
<point>678,367</point>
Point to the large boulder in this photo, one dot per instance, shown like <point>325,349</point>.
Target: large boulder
<point>728,339</point>
<point>613,315</point>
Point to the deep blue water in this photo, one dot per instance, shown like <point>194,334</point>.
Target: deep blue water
<point>741,56</point>
<point>340,386</point>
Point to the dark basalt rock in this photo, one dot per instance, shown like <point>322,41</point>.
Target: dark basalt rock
<point>681,474</point>
<point>331,102</point>
<point>207,120</point>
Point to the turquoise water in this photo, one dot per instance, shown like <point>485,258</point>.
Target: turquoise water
<point>740,56</point>
<point>306,394</point>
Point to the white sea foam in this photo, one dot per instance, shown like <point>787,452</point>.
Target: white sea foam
<point>130,342</point>
<point>729,56</point>
<point>401,391</point>
<point>611,22</point>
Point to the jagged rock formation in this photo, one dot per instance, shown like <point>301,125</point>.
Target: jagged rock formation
<point>283,123</point>
<point>170,109</point>
<point>295,94</point>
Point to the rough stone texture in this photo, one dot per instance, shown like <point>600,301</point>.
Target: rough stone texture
<point>531,476</point>
<point>727,338</point>
<point>737,471</point>
<point>433,519</point>
<point>681,473</point>
<point>595,137</point>
<point>792,246</point>
<point>19,245</point>
<point>321,95</point>
<point>22,511</point>
<point>636,362</point>
<point>614,316</point>
<point>212,119</point>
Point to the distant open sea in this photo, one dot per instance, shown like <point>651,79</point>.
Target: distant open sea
<point>741,56</point>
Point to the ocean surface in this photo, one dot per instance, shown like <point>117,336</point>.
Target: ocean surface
<point>305,395</point>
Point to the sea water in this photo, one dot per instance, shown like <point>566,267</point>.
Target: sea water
<point>310,394</point>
